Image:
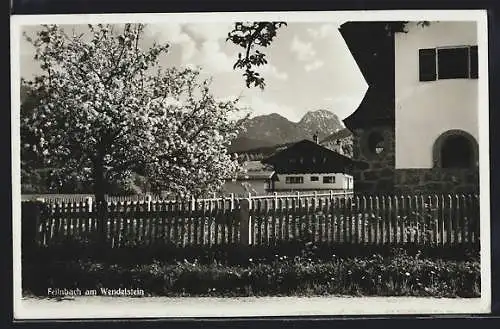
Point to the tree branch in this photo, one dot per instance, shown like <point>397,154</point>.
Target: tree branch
<point>252,39</point>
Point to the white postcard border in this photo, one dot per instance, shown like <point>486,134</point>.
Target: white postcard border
<point>349,306</point>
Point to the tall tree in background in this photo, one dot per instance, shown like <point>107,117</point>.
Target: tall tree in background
<point>34,178</point>
<point>106,109</point>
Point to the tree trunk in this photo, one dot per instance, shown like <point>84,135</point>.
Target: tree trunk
<point>101,205</point>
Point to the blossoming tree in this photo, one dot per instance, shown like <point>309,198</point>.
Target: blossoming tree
<point>106,109</point>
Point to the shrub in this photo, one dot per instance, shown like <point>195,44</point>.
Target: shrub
<point>398,275</point>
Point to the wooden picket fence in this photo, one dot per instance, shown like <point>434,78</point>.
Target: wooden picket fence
<point>333,218</point>
<point>65,198</point>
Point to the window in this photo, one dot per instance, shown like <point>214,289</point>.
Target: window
<point>448,63</point>
<point>294,180</point>
<point>376,142</point>
<point>455,149</point>
<point>291,160</point>
<point>329,179</point>
<point>313,159</point>
<point>314,178</point>
<point>453,63</point>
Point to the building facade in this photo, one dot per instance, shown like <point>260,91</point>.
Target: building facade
<point>436,107</point>
<point>306,165</point>
<point>416,129</point>
<point>312,182</point>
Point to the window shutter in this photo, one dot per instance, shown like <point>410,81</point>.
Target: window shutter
<point>473,62</point>
<point>427,63</point>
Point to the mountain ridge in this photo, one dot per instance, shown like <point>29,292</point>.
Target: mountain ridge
<point>274,129</point>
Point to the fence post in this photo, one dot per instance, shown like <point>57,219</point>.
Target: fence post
<point>245,223</point>
<point>250,200</point>
<point>31,213</point>
<point>89,203</point>
<point>148,201</point>
<point>232,201</point>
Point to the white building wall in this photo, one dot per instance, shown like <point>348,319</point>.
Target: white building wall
<point>424,110</point>
<point>342,182</point>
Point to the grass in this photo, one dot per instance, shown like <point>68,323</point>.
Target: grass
<point>399,274</point>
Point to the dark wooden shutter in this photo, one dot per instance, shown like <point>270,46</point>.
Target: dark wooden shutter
<point>427,64</point>
<point>473,62</point>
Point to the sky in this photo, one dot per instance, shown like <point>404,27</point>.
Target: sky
<point>309,66</point>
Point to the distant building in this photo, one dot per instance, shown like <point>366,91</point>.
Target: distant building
<point>306,165</point>
<point>340,142</point>
<point>417,126</point>
<point>254,178</point>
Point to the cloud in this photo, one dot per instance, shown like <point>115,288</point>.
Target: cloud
<point>344,105</point>
<point>173,33</point>
<point>304,50</point>
<point>269,70</point>
<point>314,65</point>
<point>200,44</point>
<point>209,31</point>
<point>261,106</point>
<point>214,51</point>
<point>204,45</point>
<point>212,57</point>
<point>325,30</point>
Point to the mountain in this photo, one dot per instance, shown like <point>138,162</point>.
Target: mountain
<point>322,121</point>
<point>340,141</point>
<point>244,143</point>
<point>340,134</point>
<point>274,129</point>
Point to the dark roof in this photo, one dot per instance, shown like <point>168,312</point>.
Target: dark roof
<point>307,150</point>
<point>372,46</point>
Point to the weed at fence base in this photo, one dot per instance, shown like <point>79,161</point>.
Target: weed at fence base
<point>236,254</point>
<point>397,275</point>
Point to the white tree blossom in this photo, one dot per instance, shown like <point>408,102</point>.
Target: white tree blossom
<point>107,109</point>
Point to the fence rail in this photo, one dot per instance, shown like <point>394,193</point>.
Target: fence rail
<point>68,198</point>
<point>445,220</point>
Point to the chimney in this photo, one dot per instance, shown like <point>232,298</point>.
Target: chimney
<point>315,138</point>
